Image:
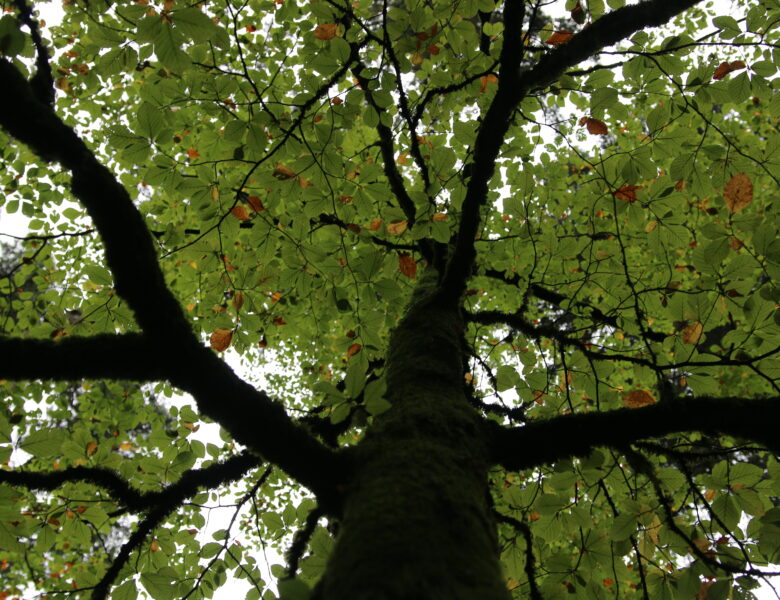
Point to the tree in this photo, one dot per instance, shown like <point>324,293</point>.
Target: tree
<point>512,280</point>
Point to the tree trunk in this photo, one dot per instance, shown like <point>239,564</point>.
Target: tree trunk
<point>417,522</point>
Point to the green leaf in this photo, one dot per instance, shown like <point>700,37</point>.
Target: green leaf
<point>159,586</point>
<point>44,443</point>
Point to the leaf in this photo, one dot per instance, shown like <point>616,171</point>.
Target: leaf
<point>725,68</point>
<point>220,339</point>
<point>485,80</point>
<point>594,126</point>
<point>559,37</point>
<point>91,448</point>
<point>326,31</point>
<point>375,224</point>
<point>353,349</point>
<point>439,217</point>
<point>627,192</point>
<point>255,203</point>
<point>238,300</point>
<point>240,213</point>
<point>283,173</point>
<point>407,265</point>
<point>637,399</point>
<point>397,227</point>
<point>692,333</point>
<point>44,443</point>
<point>738,192</point>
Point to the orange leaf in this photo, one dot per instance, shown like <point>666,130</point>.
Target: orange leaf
<point>353,349</point>
<point>279,321</point>
<point>239,212</point>
<point>190,426</point>
<point>281,172</point>
<point>397,227</point>
<point>220,339</point>
<point>336,100</point>
<point>251,28</point>
<point>485,79</point>
<point>303,183</point>
<point>91,448</point>
<point>433,49</point>
<point>439,216</point>
<point>407,265</point>
<point>192,153</point>
<point>154,546</point>
<point>637,399</point>
<point>738,192</point>
<point>594,126</point>
<point>255,203</point>
<point>692,333</point>
<point>375,224</point>
<point>326,31</point>
<point>126,446</point>
<point>403,158</point>
<point>627,192</point>
<point>725,68</point>
<point>559,37</point>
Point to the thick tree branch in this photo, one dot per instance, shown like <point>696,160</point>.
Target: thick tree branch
<point>514,87</point>
<point>125,494</point>
<point>542,442</point>
<point>251,416</point>
<point>130,356</point>
<point>130,253</point>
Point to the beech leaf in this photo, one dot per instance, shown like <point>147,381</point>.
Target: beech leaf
<point>738,192</point>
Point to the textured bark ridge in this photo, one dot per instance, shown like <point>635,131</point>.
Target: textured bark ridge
<point>417,521</point>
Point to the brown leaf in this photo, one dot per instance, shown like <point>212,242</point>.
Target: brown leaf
<point>220,339</point>
<point>353,349</point>
<point>281,172</point>
<point>191,426</point>
<point>559,37</point>
<point>725,68</point>
<point>375,224</point>
<point>407,265</point>
<point>255,203</point>
<point>692,333</point>
<point>439,216</point>
<point>239,212</point>
<point>738,192</point>
<point>154,546</point>
<point>397,227</point>
<point>279,321</point>
<point>238,300</point>
<point>637,399</point>
<point>326,31</point>
<point>627,192</point>
<point>594,126</point>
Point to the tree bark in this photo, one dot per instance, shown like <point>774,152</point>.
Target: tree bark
<point>417,521</point>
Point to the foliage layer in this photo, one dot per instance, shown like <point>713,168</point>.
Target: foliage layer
<point>503,287</point>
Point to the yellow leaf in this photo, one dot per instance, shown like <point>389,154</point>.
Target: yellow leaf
<point>738,192</point>
<point>281,172</point>
<point>91,448</point>
<point>397,227</point>
<point>692,333</point>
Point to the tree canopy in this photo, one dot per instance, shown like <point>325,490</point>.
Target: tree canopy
<point>499,283</point>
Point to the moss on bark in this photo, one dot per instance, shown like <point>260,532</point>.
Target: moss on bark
<point>416,521</point>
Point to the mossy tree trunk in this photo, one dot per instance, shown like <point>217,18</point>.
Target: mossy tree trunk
<point>417,520</point>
